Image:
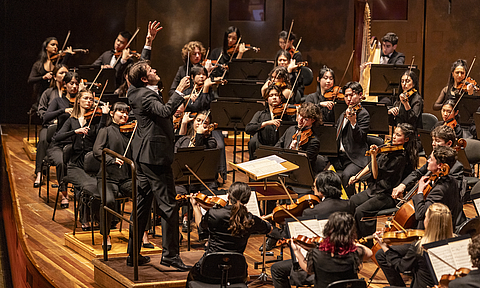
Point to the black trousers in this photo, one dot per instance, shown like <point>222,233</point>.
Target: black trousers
<point>42,146</point>
<point>393,276</point>
<point>56,154</point>
<point>284,275</point>
<point>222,165</point>
<point>366,204</point>
<point>156,181</point>
<point>115,189</point>
<point>346,169</point>
<point>86,183</point>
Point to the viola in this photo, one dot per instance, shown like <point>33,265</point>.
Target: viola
<point>334,93</point>
<point>302,137</point>
<point>129,127</point>
<point>385,149</point>
<point>234,49</point>
<point>62,54</point>
<point>279,215</point>
<point>206,202</point>
<point>467,81</point>
<point>305,242</point>
<point>290,110</point>
<point>446,278</point>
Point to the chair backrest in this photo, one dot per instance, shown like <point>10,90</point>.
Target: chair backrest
<point>473,151</point>
<point>475,190</point>
<point>91,165</point>
<point>350,283</point>
<point>374,140</point>
<point>215,263</point>
<point>307,74</point>
<point>67,153</point>
<point>428,121</point>
<point>50,131</point>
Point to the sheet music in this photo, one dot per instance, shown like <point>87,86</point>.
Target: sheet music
<point>455,253</point>
<point>297,229</point>
<point>476,202</point>
<point>252,205</point>
<point>460,253</point>
<point>262,167</point>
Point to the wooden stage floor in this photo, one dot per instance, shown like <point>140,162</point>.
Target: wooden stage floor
<point>45,238</point>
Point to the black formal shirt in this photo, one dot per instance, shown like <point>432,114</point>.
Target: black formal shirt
<point>412,116</point>
<point>391,167</point>
<point>45,100</point>
<point>208,142</point>
<point>267,135</point>
<point>315,98</point>
<point>472,280</point>
<point>325,208</point>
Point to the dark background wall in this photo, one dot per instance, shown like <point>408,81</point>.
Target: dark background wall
<point>434,36</point>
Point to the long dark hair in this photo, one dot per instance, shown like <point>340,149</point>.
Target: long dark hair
<point>282,74</point>
<point>282,52</point>
<point>321,73</point>
<point>412,76</point>
<point>225,38</point>
<point>42,56</point>
<point>411,145</point>
<point>451,81</point>
<point>118,106</point>
<point>339,234</point>
<point>191,130</point>
<point>329,183</point>
<point>54,72</point>
<point>239,194</point>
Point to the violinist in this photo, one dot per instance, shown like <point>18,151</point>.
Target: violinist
<point>284,59</point>
<point>325,82</point>
<point>352,137</point>
<point>328,187</point>
<point>449,115</point>
<point>82,136</point>
<point>228,227</point>
<point>455,83</point>
<point>222,55</point>
<point>264,124</point>
<point>409,257</point>
<point>55,91</point>
<point>473,278</point>
<point>408,107</point>
<point>288,45</point>
<point>197,53</point>
<point>387,170</point>
<point>59,110</point>
<point>443,190</point>
<point>279,76</point>
<point>201,94</point>
<point>338,256</point>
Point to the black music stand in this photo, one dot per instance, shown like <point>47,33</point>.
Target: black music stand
<point>467,106</point>
<point>89,72</point>
<point>250,69</point>
<point>234,116</point>
<point>384,78</point>
<point>378,115</point>
<point>201,162</point>
<point>426,140</point>
<point>239,90</point>
<point>327,132</point>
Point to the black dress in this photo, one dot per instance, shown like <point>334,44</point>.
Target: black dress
<point>412,116</point>
<point>317,97</point>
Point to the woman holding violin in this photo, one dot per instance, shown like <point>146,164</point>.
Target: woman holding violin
<point>456,84</point>
<point>284,59</point>
<point>288,45</point>
<point>449,115</point>
<point>338,256</point>
<point>196,52</point>
<point>325,82</point>
<point>264,124</point>
<point>228,227</point>
<point>387,171</point>
<point>82,132</point>
<point>279,77</point>
<point>408,107</point>
<point>409,257</point>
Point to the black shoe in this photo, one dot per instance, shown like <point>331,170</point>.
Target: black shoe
<point>185,226</point>
<point>148,245</point>
<point>36,184</point>
<point>109,247</point>
<point>270,243</point>
<point>176,262</point>
<point>142,260</point>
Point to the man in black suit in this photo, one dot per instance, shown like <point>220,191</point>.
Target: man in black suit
<point>352,128</point>
<point>389,55</point>
<point>473,278</point>
<point>153,152</point>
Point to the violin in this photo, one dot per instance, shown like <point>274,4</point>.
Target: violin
<point>302,137</point>
<point>467,81</point>
<point>132,53</point>
<point>407,94</point>
<point>129,127</point>
<point>206,202</point>
<point>282,85</point>
<point>279,215</point>
<point>214,64</point>
<point>446,278</point>
<point>386,148</point>
<point>461,144</point>
<point>62,54</point>
<point>92,113</point>
<point>291,109</point>
<point>234,49</point>
<point>305,242</point>
<point>452,123</point>
<point>292,51</point>
<point>398,237</point>
<point>334,93</point>
<point>353,110</point>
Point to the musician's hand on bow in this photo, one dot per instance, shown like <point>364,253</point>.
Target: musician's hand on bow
<point>47,76</point>
<point>393,111</point>
<point>328,104</point>
<point>274,122</point>
<point>293,145</point>
<point>397,192</point>
<point>69,110</point>
<point>82,130</point>
<point>118,161</point>
<point>352,180</point>
<point>184,84</point>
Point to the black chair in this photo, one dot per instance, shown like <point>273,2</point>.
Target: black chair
<point>307,74</point>
<point>350,283</point>
<point>216,269</point>
<point>429,121</point>
<point>47,163</point>
<point>67,152</point>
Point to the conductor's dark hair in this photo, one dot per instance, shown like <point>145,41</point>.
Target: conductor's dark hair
<point>329,183</point>
<point>137,72</point>
<point>239,194</point>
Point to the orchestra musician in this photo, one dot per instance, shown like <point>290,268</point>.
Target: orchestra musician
<point>55,91</point>
<point>288,45</point>
<point>328,187</point>
<point>220,54</point>
<point>60,110</point>
<point>197,53</point>
<point>153,151</point>
<point>82,132</point>
<point>264,124</point>
<point>284,59</point>
<point>352,137</point>
<point>228,227</point>
<point>325,81</point>
<point>397,259</point>
<point>338,256</point>
<point>387,170</point>
<point>452,90</point>
<point>449,115</point>
<point>279,76</point>
<point>472,280</point>
<point>389,54</point>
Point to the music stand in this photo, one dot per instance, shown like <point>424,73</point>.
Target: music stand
<point>467,106</point>
<point>327,131</point>
<point>250,69</point>
<point>89,72</point>
<point>378,115</point>
<point>234,116</point>
<point>384,78</point>
<point>201,162</point>
<point>241,89</point>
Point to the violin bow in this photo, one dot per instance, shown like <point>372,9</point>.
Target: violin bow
<point>198,178</point>
<point>439,258</point>
<point>291,92</point>
<point>348,66</point>
<point>289,32</point>
<point>96,105</point>
<point>129,141</point>
<point>299,221</point>
<point>298,44</point>
<point>463,85</point>
<point>188,64</point>
<point>192,140</point>
<point>128,45</point>
<point>236,47</point>
<point>409,71</point>
<point>96,77</point>
<point>286,190</point>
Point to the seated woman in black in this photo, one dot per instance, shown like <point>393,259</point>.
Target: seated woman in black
<point>388,170</point>
<point>228,227</point>
<point>409,257</point>
<point>325,82</point>
<point>301,137</point>
<point>279,76</point>
<point>449,116</point>
<point>263,128</point>
<point>338,256</point>
<point>83,137</point>
<point>284,59</point>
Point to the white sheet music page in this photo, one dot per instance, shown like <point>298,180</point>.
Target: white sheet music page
<point>460,253</point>
<point>263,166</point>
<point>252,205</point>
<point>438,265</point>
<point>476,202</point>
<point>297,229</point>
